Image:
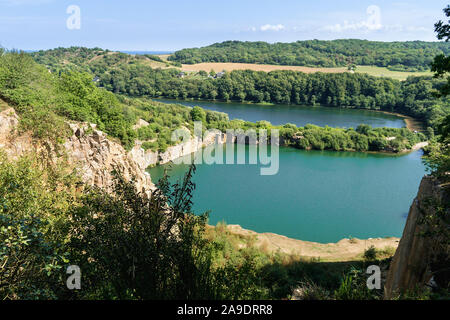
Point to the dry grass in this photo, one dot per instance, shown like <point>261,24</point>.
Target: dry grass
<point>155,64</point>
<point>219,66</point>
<point>414,124</point>
<point>163,56</point>
<point>101,56</point>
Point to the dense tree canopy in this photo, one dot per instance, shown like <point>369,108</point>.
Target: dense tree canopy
<point>412,97</point>
<point>438,153</point>
<point>130,75</point>
<point>131,246</point>
<point>405,56</point>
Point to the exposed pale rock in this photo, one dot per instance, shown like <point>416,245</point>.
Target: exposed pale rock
<point>410,266</point>
<point>89,151</point>
<point>146,158</point>
<point>95,156</point>
<point>141,123</point>
<point>10,143</point>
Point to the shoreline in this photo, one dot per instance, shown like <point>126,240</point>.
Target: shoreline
<point>343,250</point>
<point>411,123</point>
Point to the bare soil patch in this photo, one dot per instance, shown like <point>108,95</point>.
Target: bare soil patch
<point>344,250</point>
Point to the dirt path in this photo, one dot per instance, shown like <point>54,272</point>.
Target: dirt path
<point>344,250</point>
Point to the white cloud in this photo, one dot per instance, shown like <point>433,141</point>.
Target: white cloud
<point>363,25</point>
<point>271,27</point>
<point>418,29</point>
<point>373,22</point>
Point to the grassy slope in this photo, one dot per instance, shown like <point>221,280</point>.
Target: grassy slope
<point>220,66</point>
<point>72,60</point>
<point>408,56</point>
<point>385,72</point>
<point>370,70</point>
<point>162,120</point>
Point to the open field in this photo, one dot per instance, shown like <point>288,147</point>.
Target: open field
<point>156,64</point>
<point>221,66</point>
<point>385,72</point>
<point>163,56</point>
<point>371,70</point>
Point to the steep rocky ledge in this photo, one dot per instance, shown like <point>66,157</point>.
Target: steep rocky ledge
<point>411,266</point>
<point>87,149</point>
<point>146,158</point>
<point>95,155</point>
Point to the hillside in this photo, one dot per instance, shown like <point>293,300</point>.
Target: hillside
<point>66,218</point>
<point>370,70</point>
<point>133,76</point>
<point>89,59</point>
<point>400,56</point>
<point>62,202</point>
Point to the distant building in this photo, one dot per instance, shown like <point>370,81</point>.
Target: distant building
<point>219,74</point>
<point>181,75</point>
<point>96,79</point>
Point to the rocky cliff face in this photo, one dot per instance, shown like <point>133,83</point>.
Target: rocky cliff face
<point>87,149</point>
<point>94,155</point>
<point>146,158</point>
<point>412,264</point>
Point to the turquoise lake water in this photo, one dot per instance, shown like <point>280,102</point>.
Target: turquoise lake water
<point>320,196</point>
<point>299,115</point>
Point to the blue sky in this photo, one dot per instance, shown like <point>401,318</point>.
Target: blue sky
<point>174,24</point>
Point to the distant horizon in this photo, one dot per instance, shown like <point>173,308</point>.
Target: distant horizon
<point>160,52</point>
<point>153,26</point>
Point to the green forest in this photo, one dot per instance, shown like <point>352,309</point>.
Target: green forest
<point>48,220</point>
<point>151,244</point>
<point>129,75</point>
<point>76,97</point>
<point>398,56</point>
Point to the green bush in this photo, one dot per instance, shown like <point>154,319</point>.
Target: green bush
<point>33,217</point>
<point>370,254</point>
